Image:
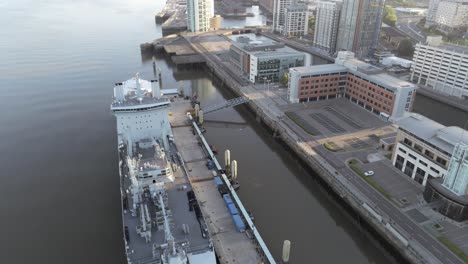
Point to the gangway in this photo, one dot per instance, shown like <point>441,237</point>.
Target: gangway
<point>227,104</point>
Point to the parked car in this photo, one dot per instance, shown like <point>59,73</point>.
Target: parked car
<point>369,173</point>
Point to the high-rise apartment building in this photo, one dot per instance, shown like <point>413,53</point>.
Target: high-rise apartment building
<point>451,15</point>
<point>296,20</point>
<point>327,20</point>
<point>199,13</point>
<point>431,13</point>
<point>441,67</point>
<point>359,27</point>
<point>447,15</point>
<point>279,10</point>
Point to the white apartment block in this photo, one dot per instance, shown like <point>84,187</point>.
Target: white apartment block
<point>199,13</point>
<point>296,20</point>
<point>327,20</point>
<point>431,13</point>
<point>424,147</point>
<point>451,15</point>
<point>279,10</point>
<point>441,67</point>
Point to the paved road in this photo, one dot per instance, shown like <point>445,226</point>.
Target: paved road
<point>418,235</point>
<point>299,46</point>
<point>398,217</point>
<point>410,29</point>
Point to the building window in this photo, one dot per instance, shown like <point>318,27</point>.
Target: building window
<point>402,150</point>
<point>408,142</point>
<point>418,148</point>
<point>435,170</point>
<point>429,154</point>
<point>412,156</point>
<point>409,169</point>
<point>441,161</point>
<point>423,163</point>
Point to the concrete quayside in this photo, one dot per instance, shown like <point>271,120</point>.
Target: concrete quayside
<point>381,215</point>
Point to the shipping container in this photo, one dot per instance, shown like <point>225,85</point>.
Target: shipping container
<point>240,226</point>
<point>227,199</point>
<point>232,209</point>
<point>218,181</point>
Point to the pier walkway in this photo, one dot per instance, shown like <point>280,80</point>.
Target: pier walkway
<point>231,246</point>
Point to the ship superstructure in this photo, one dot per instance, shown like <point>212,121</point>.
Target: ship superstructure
<point>162,220</point>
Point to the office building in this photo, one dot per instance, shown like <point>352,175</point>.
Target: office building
<point>359,27</point>
<point>199,13</point>
<point>441,67</point>
<point>279,10</point>
<point>422,151</point>
<point>359,82</point>
<point>451,15</point>
<point>450,196</point>
<point>263,60</point>
<point>296,20</point>
<point>327,20</point>
<point>457,174</point>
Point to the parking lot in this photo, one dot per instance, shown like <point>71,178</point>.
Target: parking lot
<point>398,185</point>
<point>332,117</point>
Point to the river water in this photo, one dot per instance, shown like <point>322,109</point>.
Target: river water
<point>59,184</point>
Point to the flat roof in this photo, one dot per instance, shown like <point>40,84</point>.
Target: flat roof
<point>319,69</point>
<point>430,131</point>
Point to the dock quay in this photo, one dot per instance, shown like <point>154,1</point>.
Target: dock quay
<point>166,12</point>
<point>378,214</point>
<point>231,246</point>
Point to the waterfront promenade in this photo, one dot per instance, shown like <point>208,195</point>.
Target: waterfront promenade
<point>421,247</point>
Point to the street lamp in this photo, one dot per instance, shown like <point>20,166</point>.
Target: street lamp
<point>268,85</point>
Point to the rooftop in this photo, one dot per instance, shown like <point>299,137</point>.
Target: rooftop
<point>130,94</point>
<point>319,69</point>
<point>263,48</point>
<point>430,131</point>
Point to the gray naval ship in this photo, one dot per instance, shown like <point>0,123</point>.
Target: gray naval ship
<point>162,220</point>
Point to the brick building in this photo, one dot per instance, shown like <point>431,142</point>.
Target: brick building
<point>359,82</point>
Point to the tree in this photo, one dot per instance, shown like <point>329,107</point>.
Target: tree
<point>405,48</point>
<point>311,22</point>
<point>389,16</point>
<point>284,79</point>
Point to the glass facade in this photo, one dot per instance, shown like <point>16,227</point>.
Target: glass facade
<point>457,174</point>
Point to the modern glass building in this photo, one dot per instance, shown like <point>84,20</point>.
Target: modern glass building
<point>457,173</point>
<point>359,28</point>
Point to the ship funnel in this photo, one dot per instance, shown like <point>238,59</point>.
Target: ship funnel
<point>155,73</point>
<point>197,109</point>
<point>234,171</point>
<point>156,89</point>
<point>286,250</point>
<point>138,92</point>
<point>119,92</point>
<point>200,117</point>
<point>227,158</point>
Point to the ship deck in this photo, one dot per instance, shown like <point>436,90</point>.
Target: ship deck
<point>231,246</point>
<point>180,214</point>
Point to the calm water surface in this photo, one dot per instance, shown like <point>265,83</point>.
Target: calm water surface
<point>59,184</point>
